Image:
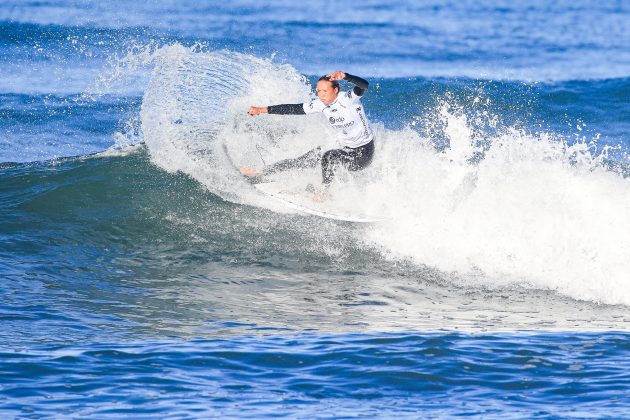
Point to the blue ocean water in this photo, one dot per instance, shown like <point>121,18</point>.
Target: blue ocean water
<point>140,275</point>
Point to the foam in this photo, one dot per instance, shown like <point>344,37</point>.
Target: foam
<point>535,212</point>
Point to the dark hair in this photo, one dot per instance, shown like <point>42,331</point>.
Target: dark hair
<point>334,83</point>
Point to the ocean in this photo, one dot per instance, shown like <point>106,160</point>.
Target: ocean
<point>142,276</point>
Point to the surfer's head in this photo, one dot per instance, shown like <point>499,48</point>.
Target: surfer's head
<point>327,89</point>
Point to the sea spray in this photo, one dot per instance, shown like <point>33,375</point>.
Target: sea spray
<point>494,205</point>
<point>534,212</point>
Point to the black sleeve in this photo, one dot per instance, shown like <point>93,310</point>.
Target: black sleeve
<point>361,85</point>
<point>286,109</point>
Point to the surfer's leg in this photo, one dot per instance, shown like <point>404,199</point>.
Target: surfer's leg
<point>307,160</point>
<point>351,159</point>
<point>331,160</point>
<point>361,157</point>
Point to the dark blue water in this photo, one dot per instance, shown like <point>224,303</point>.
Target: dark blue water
<point>319,375</point>
<point>140,276</point>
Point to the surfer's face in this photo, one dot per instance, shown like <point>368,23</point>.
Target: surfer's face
<point>326,93</point>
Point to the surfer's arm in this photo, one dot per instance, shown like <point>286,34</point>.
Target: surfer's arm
<point>360,85</point>
<point>290,109</point>
<point>287,109</point>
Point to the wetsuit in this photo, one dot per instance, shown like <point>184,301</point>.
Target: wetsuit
<point>347,116</point>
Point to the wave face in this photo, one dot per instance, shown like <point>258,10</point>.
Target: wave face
<point>488,202</point>
<point>140,274</point>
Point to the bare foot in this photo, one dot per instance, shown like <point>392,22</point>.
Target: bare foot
<point>320,196</point>
<point>245,171</point>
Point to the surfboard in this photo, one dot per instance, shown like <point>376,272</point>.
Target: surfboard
<point>302,202</point>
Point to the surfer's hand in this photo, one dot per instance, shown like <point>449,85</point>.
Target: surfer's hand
<point>336,75</point>
<point>256,110</point>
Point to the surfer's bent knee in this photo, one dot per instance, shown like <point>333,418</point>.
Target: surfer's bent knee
<point>353,159</point>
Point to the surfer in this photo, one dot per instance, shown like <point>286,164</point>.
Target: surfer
<point>345,114</point>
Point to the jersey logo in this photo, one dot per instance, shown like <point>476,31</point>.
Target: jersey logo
<point>359,109</point>
<point>331,120</point>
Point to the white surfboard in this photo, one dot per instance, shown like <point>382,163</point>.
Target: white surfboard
<point>302,202</point>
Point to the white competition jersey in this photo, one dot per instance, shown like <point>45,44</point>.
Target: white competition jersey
<point>346,116</point>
